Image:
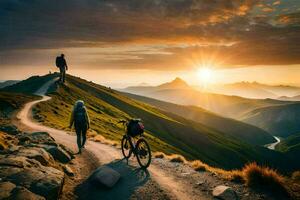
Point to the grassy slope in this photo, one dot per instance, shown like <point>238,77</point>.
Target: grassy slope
<point>7,83</point>
<point>280,120</point>
<point>165,131</point>
<point>10,102</point>
<point>290,145</point>
<point>229,127</point>
<point>30,85</point>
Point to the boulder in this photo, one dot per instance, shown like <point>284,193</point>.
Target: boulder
<point>26,177</point>
<point>58,153</point>
<point>17,161</point>
<point>39,154</point>
<point>21,193</point>
<point>106,176</point>
<point>224,193</point>
<point>50,185</point>
<point>8,171</point>
<point>44,181</point>
<point>68,150</point>
<point>6,189</point>
<point>10,129</point>
<point>37,137</point>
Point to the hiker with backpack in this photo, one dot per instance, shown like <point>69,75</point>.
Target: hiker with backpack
<point>61,63</point>
<point>80,119</point>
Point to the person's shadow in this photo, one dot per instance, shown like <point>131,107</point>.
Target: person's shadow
<point>131,179</point>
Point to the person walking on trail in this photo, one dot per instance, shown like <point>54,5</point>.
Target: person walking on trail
<point>61,63</point>
<point>81,121</point>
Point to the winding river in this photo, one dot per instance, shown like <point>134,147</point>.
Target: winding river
<point>273,145</point>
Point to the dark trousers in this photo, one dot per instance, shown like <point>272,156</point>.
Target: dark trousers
<point>81,135</point>
<point>62,74</point>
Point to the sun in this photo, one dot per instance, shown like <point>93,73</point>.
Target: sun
<point>205,75</point>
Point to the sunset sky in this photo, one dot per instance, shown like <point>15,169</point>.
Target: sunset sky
<point>121,43</point>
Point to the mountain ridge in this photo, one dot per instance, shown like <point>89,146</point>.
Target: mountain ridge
<point>236,128</point>
<point>165,132</point>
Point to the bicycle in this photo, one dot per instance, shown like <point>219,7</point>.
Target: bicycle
<point>140,148</point>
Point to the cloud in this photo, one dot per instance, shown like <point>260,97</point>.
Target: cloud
<point>173,30</point>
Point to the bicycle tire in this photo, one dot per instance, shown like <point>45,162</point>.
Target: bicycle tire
<point>125,139</point>
<point>139,142</point>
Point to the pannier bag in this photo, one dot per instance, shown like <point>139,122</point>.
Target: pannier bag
<point>135,127</point>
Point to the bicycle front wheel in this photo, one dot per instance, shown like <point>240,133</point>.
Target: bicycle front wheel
<point>126,148</point>
<point>143,153</point>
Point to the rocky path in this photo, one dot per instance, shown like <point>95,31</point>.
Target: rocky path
<point>161,181</point>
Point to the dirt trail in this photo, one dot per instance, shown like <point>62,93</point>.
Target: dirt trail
<point>104,154</point>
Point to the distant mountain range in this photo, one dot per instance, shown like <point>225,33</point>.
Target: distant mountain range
<point>280,118</point>
<point>252,90</point>
<point>255,90</point>
<point>294,98</point>
<point>179,92</point>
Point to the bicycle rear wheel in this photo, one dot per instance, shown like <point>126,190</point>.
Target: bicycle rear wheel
<point>143,153</point>
<point>126,148</point>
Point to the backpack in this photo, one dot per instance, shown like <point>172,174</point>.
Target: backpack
<point>135,127</point>
<point>80,116</point>
<point>57,61</point>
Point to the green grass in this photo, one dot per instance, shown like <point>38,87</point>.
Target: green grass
<point>166,132</point>
<point>290,146</point>
<point>281,120</point>
<point>230,127</point>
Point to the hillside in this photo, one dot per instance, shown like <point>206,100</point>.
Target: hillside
<point>225,105</point>
<point>282,120</point>
<point>165,132</point>
<point>290,146</point>
<point>294,98</point>
<point>10,102</point>
<point>229,127</point>
<point>7,83</point>
<point>289,143</point>
<point>30,85</point>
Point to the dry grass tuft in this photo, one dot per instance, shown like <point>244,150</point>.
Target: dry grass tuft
<point>264,178</point>
<point>91,133</point>
<point>199,166</point>
<point>159,155</point>
<point>236,176</point>
<point>103,140</point>
<point>99,138</point>
<point>177,158</point>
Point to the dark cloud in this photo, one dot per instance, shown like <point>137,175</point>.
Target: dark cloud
<point>233,29</point>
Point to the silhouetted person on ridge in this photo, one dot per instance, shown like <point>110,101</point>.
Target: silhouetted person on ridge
<point>63,67</point>
<point>81,121</point>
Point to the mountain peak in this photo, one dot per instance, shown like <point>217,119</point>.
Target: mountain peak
<point>177,83</point>
<point>177,79</point>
